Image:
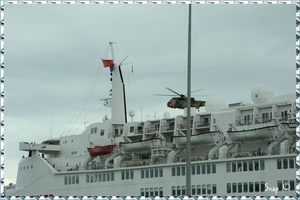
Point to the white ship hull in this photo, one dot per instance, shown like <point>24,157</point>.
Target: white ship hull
<point>236,151</point>
<point>156,184</point>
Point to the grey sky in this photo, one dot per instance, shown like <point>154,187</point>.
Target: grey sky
<point>52,53</point>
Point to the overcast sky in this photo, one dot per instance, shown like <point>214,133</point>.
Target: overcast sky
<point>53,52</point>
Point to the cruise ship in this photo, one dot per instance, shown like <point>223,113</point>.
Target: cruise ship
<point>237,149</point>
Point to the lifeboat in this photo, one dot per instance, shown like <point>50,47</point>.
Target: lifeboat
<point>101,150</point>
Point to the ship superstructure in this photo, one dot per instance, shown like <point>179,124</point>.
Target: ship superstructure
<point>236,150</point>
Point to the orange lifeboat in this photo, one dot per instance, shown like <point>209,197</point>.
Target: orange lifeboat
<point>101,150</point>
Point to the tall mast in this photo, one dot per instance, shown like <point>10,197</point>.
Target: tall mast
<point>112,50</point>
<point>188,133</point>
<point>118,100</point>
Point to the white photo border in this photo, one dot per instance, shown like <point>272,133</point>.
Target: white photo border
<point>297,23</point>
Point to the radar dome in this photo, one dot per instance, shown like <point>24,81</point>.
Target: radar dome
<point>215,103</point>
<point>167,115</point>
<point>131,113</point>
<point>261,93</point>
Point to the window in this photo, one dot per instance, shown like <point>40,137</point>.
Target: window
<point>214,189</point>
<point>228,187</point>
<point>92,178</point>
<point>245,187</point>
<point>244,166</point>
<point>203,189</point>
<point>131,129</point>
<point>279,164</point>
<point>142,192</point>
<point>156,172</point>
<point>100,177</point>
<point>213,168</point>
<point>131,174</point>
<point>178,190</point>
<point>256,166</point>
<point>142,173</point>
<point>147,173</point>
<point>73,179</point>
<point>127,175</point>
<point>291,163</point>
<point>208,168</point>
<point>285,186</point>
<point>102,132</point>
<point>95,130</point>
<point>183,190</point>
<point>183,170</point>
<point>123,175</point>
<point>161,172</point>
<point>198,189</point>
<point>108,176</point>
<point>156,191</point>
<point>240,187</point>
<point>193,169</point>
<point>228,168</point>
<point>161,192</point>
<point>173,171</point>
<point>262,165</point>
<point>69,180</point>
<point>250,165</point>
<point>112,176</point>
<point>256,186</point>
<point>292,185</point>
<point>239,166</point>
<point>233,187</point>
<point>104,177</point>
<point>66,180</point>
<point>173,190</point>
<point>198,169</point>
<point>96,177</point>
<point>251,187</point>
<point>285,164</point>
<point>233,167</point>
<point>262,186</point>
<point>151,192</point>
<point>265,117</point>
<point>203,169</point>
<point>209,189</point>
<point>193,190</point>
<point>77,179</point>
<point>279,185</point>
<point>178,171</point>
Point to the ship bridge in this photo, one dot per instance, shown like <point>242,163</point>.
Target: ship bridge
<point>25,146</point>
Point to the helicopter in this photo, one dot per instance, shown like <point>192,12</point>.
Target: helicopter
<point>181,101</point>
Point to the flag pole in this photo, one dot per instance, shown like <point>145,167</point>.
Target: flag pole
<point>188,133</point>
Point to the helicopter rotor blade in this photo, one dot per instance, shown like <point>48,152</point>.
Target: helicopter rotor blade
<point>197,90</point>
<point>173,91</point>
<point>171,95</point>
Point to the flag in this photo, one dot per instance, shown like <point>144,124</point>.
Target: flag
<point>108,63</point>
<point>111,68</point>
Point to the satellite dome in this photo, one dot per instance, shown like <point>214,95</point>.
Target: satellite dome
<point>215,103</point>
<point>167,115</point>
<point>261,93</point>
